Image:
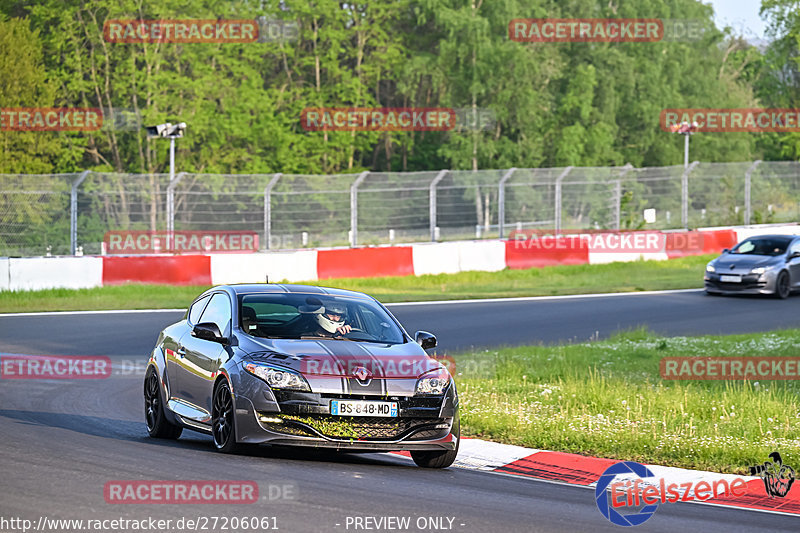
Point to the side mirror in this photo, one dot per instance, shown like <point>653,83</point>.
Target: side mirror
<point>726,250</point>
<point>208,331</point>
<point>425,339</point>
<point>793,255</point>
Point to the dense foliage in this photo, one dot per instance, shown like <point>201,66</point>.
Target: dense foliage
<point>556,104</point>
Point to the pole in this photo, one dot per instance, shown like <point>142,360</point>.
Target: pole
<point>618,195</point>
<point>173,182</point>
<point>501,201</point>
<point>686,150</point>
<point>685,194</point>
<point>170,195</point>
<point>558,198</point>
<point>432,202</point>
<point>268,209</point>
<point>748,208</point>
<point>354,208</point>
<point>73,212</point>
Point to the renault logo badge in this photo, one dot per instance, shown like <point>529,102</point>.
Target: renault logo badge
<point>362,374</point>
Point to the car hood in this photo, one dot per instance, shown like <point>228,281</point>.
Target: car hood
<point>739,263</point>
<point>344,359</point>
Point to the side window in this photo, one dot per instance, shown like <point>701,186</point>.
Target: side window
<point>196,309</point>
<point>219,312</point>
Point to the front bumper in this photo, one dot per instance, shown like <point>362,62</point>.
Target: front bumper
<point>304,419</point>
<point>750,284</point>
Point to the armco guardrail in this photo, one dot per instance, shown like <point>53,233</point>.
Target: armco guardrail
<point>310,265</point>
<point>72,213</point>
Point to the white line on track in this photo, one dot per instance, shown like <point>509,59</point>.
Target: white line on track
<point>109,311</point>
<point>544,298</point>
<point>432,302</point>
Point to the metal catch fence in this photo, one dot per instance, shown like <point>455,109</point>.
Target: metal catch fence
<point>64,214</point>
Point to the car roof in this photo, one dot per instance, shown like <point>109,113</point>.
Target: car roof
<point>779,237</point>
<point>278,288</point>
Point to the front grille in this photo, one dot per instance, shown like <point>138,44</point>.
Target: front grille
<point>346,427</point>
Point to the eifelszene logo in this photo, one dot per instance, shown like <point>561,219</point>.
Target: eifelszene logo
<point>632,486</point>
<point>778,477</point>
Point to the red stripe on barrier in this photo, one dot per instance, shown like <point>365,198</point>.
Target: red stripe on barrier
<point>719,239</point>
<point>172,270</point>
<point>545,251</point>
<point>365,262</point>
<point>681,244</point>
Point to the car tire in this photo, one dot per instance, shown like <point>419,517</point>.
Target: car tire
<point>438,459</point>
<point>782,287</point>
<point>223,419</point>
<point>158,426</point>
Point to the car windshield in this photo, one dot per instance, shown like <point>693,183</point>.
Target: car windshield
<point>297,316</point>
<point>761,246</point>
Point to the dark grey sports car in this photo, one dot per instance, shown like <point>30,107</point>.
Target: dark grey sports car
<point>764,264</point>
<point>302,366</point>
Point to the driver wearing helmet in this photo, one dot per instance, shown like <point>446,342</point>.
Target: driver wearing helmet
<point>331,320</point>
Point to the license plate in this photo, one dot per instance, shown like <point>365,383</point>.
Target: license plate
<point>363,408</point>
<point>730,279</point>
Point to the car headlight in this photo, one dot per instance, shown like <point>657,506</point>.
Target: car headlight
<point>433,382</point>
<point>710,268</point>
<point>759,270</point>
<point>278,378</point>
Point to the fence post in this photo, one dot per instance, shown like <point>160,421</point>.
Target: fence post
<point>685,194</point>
<point>618,194</point>
<point>558,197</point>
<point>171,207</point>
<point>268,209</point>
<point>73,212</point>
<point>748,208</point>
<point>354,208</point>
<point>501,201</point>
<point>432,202</point>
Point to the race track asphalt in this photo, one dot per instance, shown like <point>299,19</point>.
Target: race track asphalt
<point>458,325</point>
<point>62,441</point>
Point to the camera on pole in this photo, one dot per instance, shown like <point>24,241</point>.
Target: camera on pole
<point>167,131</point>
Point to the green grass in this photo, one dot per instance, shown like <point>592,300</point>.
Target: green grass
<point>680,273</point>
<point>607,399</point>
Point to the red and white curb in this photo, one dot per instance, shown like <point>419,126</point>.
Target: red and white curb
<point>572,469</point>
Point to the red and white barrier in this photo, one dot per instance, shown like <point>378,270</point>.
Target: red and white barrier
<point>36,273</point>
<point>310,265</point>
<point>300,265</point>
<point>5,278</point>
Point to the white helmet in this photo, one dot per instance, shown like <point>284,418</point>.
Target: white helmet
<point>325,318</point>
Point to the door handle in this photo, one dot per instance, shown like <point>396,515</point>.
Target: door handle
<point>181,352</point>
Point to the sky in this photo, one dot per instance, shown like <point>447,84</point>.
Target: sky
<point>742,15</point>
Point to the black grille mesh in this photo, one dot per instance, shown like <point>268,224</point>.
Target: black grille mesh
<point>344,427</point>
